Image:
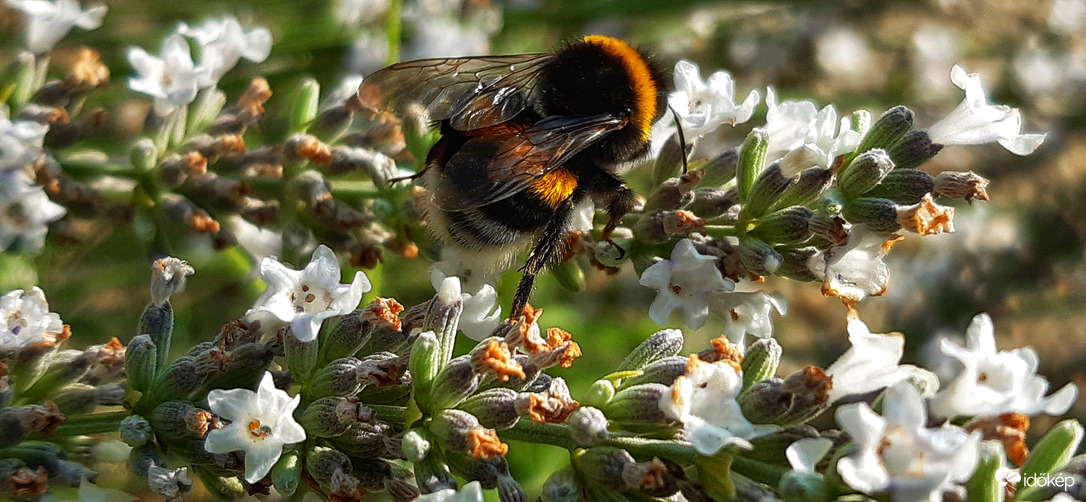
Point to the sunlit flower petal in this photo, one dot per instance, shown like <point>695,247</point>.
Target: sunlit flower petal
<point>49,21</point>
<point>702,106</point>
<point>975,122</point>
<point>684,283</point>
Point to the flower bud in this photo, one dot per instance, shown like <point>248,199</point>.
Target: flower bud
<point>207,107</point>
<point>786,226</point>
<point>452,427</point>
<point>332,123</point>
<point>66,367</point>
<point>305,105</point>
<point>140,362</point>
<point>338,378</point>
<point>510,491</point>
<point>761,361</point>
<point>322,463</point>
<point>561,486</point>
<point>167,277</point>
<point>758,257</point>
<point>221,487</point>
<point>552,405</point>
<point>135,431</point>
<point>247,367</point>
<point>913,150</point>
<point>143,155</point>
<point>798,398</point>
<point>721,168</point>
<point>803,487</point>
<point>888,130</point>
<point>965,185</point>
<point>669,163</point>
<point>662,344</point>
<point>364,440</point>
<point>669,194</point>
<point>599,393</point>
<point>926,217</point>
<point>1052,452</point>
<point>287,472</point>
<point>985,483</point>
<point>22,75</point>
<point>495,408</point>
<point>443,316</point>
<point>880,215</point>
<point>864,172</point>
<point>662,371</point>
<point>637,406</point>
<point>301,357</point>
<point>767,191</point>
<point>77,399</point>
<point>432,474</point>
<point>751,161</point>
<point>712,202</point>
<point>587,426</point>
<point>603,465</point>
<point>809,186</point>
<point>177,381</point>
<point>143,457</point>
<point>424,365</point>
<point>331,416</point>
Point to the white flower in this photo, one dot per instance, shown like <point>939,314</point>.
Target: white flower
<point>171,79</point>
<point>855,270</point>
<point>305,298</point>
<point>787,123</point>
<point>259,242</point>
<point>169,483</point>
<point>747,313</point>
<point>223,43</point>
<point>1067,16</point>
<point>481,312</point>
<point>899,454</point>
<point>684,283</point>
<point>48,22</point>
<point>704,401</point>
<point>826,139</point>
<point>992,383</point>
<point>471,492</point>
<point>975,122</point>
<point>261,423</point>
<point>25,320</point>
<point>20,142</point>
<point>872,363</point>
<point>704,105</point>
<point>352,13</point>
<point>804,455</point>
<point>25,212</point>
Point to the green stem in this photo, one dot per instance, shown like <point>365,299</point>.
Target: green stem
<point>86,168</point>
<point>532,432</point>
<point>641,447</point>
<point>388,413</point>
<point>393,29</point>
<point>97,423</point>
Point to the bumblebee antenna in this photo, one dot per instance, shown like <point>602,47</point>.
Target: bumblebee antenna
<point>682,137</point>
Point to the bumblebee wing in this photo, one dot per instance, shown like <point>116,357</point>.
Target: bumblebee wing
<point>472,93</point>
<point>492,167</point>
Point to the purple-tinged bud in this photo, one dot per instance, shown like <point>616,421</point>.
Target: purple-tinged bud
<point>301,356</point>
<point>637,406</point>
<point>561,486</point>
<point>796,399</point>
<point>495,408</point>
<point>332,416</point>
<point>712,202</point>
<point>669,162</point>
<point>880,215</point>
<point>338,378</point>
<point>767,191</point>
<point>322,463</point>
<point>864,173</point>
<point>587,426</point>
<point>809,186</point>
<point>913,150</point>
<point>887,130</point>
<point>721,168</point>
<point>177,381</point>
<point>967,185</point>
<point>604,465</point>
<point>904,186</point>
<point>758,257</point>
<point>662,344</point>
<point>786,226</point>
<point>662,371</point>
<point>140,362</point>
<point>143,457</point>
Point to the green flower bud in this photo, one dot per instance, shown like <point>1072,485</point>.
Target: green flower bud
<point>904,186</point>
<point>424,365</point>
<point>81,398</point>
<point>888,130</point>
<point>30,364</point>
<point>637,407</point>
<point>803,487</point>
<point>205,110</point>
<point>865,171</point>
<point>766,191</point>
<point>603,465</point>
<point>1050,454</point>
<point>794,264</point>
<point>338,378</point>
<point>301,357</point>
<point>65,367</point>
<point>364,440</point>
<point>23,76</point>
<point>758,257</point>
<point>599,393</point>
<point>495,408</point>
<point>786,226</point>
<point>135,431</point>
<point>157,322</point>
<point>984,485</point>
<point>663,343</point>
<point>432,474</point>
<point>761,361</point>
<point>721,168</point>
<point>669,162</point>
<point>305,105</point>
<point>322,463</point>
<point>221,487</point>
<point>794,400</point>
<point>712,202</point>
<point>809,186</point>
<point>250,361</point>
<point>443,317</point>
<point>661,371</point>
<point>880,215</point>
<point>561,486</point>
<point>287,472</point>
<point>913,150</point>
<point>331,416</point>
<point>451,428</point>
<point>177,381</point>
<point>143,155</point>
<point>587,426</point>
<point>772,448</point>
<point>751,161</point>
<point>142,457</point>
<point>570,275</point>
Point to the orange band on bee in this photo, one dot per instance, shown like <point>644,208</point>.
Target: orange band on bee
<point>644,89</point>
<point>555,186</point>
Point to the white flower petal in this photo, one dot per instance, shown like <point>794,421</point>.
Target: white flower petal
<point>804,455</point>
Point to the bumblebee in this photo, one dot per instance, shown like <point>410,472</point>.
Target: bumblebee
<point>525,139</point>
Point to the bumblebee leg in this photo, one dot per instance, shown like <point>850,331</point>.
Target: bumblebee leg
<point>544,252</point>
<point>622,202</point>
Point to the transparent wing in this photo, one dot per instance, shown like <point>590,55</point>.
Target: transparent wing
<point>491,167</point>
<point>472,93</point>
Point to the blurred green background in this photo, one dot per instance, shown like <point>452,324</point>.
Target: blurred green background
<point>1018,257</point>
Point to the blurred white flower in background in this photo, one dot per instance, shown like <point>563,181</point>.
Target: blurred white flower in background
<point>223,43</point>
<point>49,21</point>
<point>25,320</point>
<point>844,55</point>
<point>991,382</point>
<point>171,78</point>
<point>1067,16</point>
<point>898,453</point>
<point>20,142</point>
<point>25,212</point>
<point>357,12</point>
<point>974,121</point>
<point>934,48</point>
